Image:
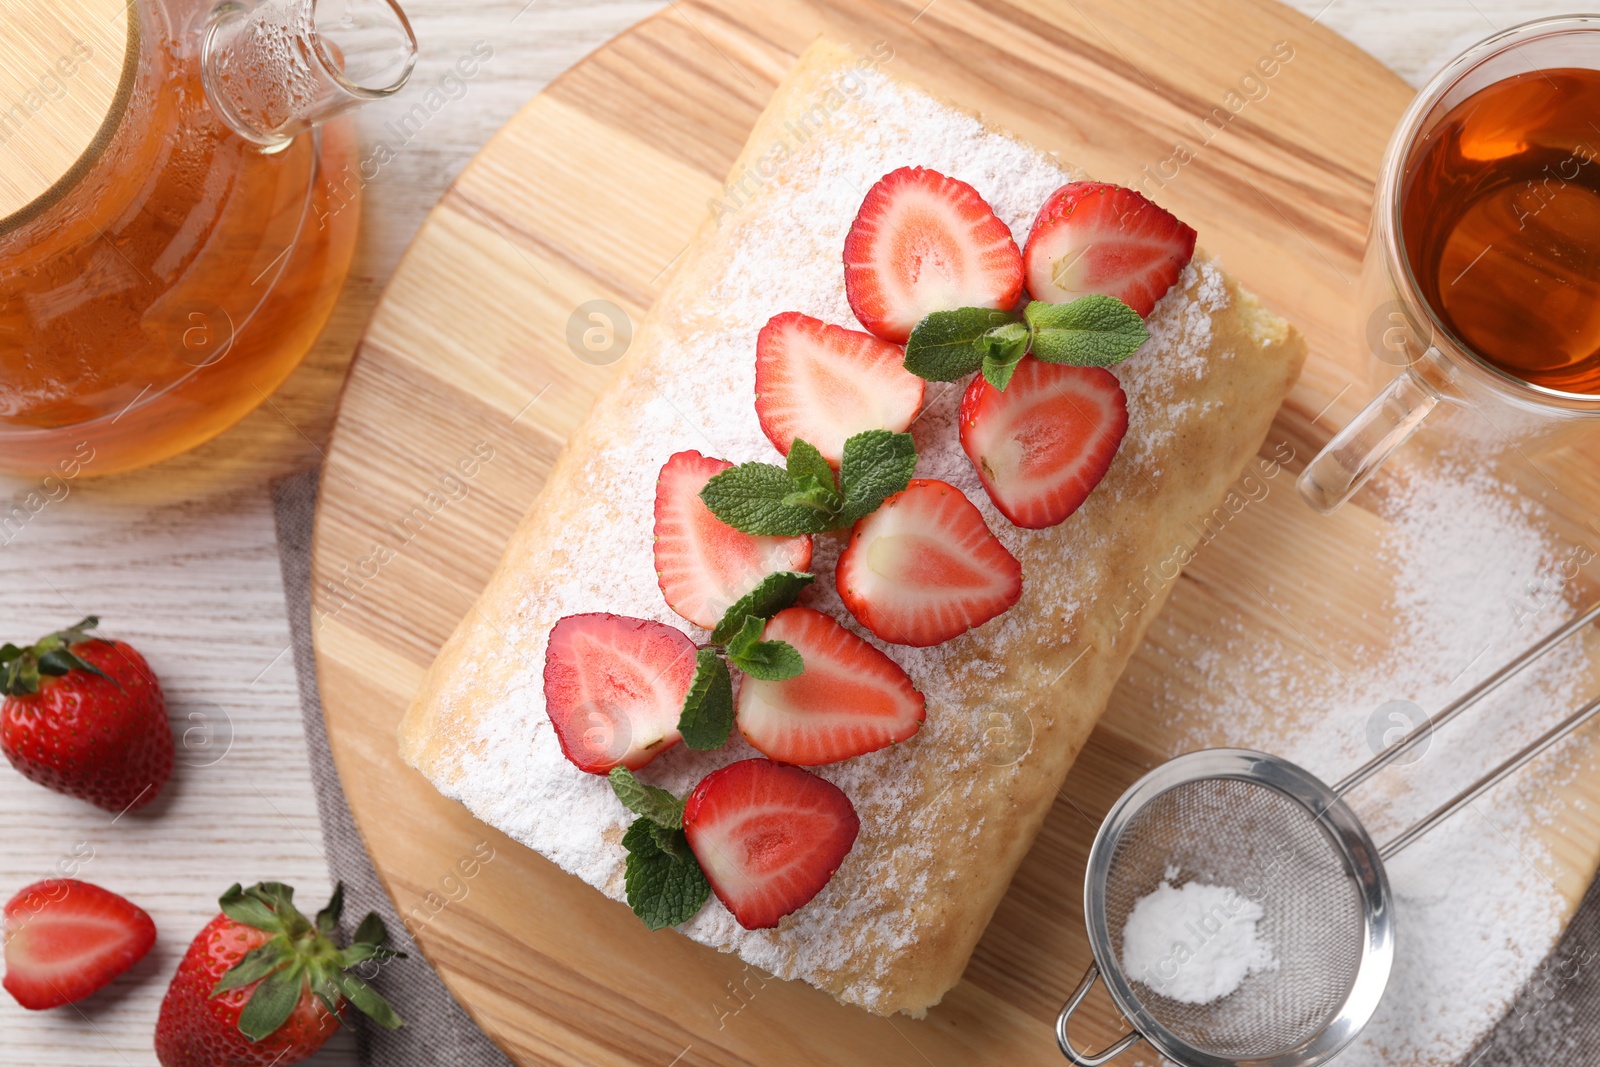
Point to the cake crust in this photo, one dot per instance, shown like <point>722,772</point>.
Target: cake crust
<point>947,816</point>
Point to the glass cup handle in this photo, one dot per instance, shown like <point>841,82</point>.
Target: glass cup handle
<point>1371,437</point>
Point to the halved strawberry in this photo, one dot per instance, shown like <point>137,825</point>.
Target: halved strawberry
<point>1044,444</point>
<point>66,939</point>
<point>825,384</point>
<point>925,242</point>
<point>924,567</point>
<point>614,688</point>
<point>1091,237</point>
<point>768,837</point>
<point>850,700</point>
<point>703,564</point>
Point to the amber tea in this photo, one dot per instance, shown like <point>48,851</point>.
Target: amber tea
<point>1500,219</point>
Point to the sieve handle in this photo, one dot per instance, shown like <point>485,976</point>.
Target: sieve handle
<point>1089,1059</point>
<point>1493,778</point>
<point>1467,700</point>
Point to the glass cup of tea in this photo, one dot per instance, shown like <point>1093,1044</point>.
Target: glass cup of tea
<point>1482,270</point>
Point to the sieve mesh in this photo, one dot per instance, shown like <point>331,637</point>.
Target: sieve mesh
<point>1253,838</point>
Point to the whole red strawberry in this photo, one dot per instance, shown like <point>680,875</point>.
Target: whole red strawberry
<point>262,985</point>
<point>85,716</point>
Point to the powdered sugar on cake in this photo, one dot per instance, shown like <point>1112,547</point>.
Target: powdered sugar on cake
<point>787,242</point>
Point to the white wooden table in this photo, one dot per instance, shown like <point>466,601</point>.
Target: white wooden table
<point>181,559</point>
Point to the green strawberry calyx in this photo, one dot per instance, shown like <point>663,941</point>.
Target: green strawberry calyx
<point>301,955</point>
<point>21,668</point>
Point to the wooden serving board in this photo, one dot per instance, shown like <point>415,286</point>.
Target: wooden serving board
<point>591,193</point>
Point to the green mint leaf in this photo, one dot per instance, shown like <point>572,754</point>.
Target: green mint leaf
<point>877,464</point>
<point>754,498</point>
<point>944,346</point>
<point>707,717</point>
<point>805,461</point>
<point>665,886</point>
<point>672,842</point>
<point>657,805</point>
<point>1006,344</point>
<point>777,591</point>
<point>770,661</point>
<point>809,493</point>
<point>1091,331</point>
<point>998,374</point>
<point>1003,348</point>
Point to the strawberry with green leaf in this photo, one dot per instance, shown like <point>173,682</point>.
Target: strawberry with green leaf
<point>664,882</point>
<point>764,837</point>
<point>263,985</point>
<point>85,716</point>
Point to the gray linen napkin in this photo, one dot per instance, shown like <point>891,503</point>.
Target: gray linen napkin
<point>1555,1019</point>
<point>437,1032</point>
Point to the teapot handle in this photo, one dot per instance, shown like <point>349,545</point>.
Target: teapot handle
<point>271,71</point>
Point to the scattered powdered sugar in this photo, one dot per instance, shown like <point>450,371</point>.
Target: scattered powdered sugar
<point>1195,943</point>
<point>1475,579</point>
<point>785,256</point>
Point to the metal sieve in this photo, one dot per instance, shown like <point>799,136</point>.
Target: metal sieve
<point>1288,843</point>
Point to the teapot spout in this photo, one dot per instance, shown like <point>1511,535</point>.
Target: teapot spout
<point>273,69</point>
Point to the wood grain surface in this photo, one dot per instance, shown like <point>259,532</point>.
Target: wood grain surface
<point>181,558</point>
<point>591,193</point>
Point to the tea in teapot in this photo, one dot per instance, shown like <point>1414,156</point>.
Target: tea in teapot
<point>177,213</point>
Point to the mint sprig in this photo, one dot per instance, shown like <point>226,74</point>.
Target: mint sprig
<point>777,591</point>
<point>664,882</point>
<point>1091,331</point>
<point>1003,348</point>
<point>707,717</point>
<point>770,661</point>
<point>665,885</point>
<point>803,497</point>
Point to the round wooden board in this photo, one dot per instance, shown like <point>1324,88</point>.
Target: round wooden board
<point>591,193</point>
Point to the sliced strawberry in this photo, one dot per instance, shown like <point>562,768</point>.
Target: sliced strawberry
<point>66,939</point>
<point>1091,237</point>
<point>703,564</point>
<point>614,688</point>
<point>851,699</point>
<point>924,242</point>
<point>768,836</point>
<point>924,567</point>
<point>1044,444</point>
<point>825,384</point>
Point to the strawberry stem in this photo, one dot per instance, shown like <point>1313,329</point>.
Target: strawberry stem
<point>300,958</point>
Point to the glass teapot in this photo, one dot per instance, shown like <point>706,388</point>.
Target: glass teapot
<point>178,210</point>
